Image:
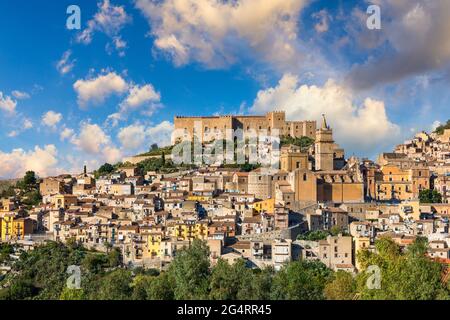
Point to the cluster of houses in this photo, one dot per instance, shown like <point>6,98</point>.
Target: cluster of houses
<point>257,216</point>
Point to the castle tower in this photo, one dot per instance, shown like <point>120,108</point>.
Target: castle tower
<point>324,147</point>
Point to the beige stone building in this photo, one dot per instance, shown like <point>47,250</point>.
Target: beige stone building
<point>214,127</point>
<point>336,252</point>
<point>392,182</point>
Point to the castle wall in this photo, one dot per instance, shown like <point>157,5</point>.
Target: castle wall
<point>267,123</point>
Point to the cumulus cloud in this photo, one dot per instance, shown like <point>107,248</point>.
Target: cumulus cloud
<point>65,65</point>
<point>93,141</point>
<point>96,90</point>
<point>132,137</point>
<point>41,160</point>
<point>20,95</point>
<point>27,124</point>
<point>66,133</point>
<point>211,32</point>
<point>359,128</point>
<point>110,20</point>
<point>138,136</point>
<point>139,96</point>
<point>7,104</point>
<point>91,138</point>
<point>160,134</point>
<point>417,35</point>
<point>13,133</point>
<point>51,118</point>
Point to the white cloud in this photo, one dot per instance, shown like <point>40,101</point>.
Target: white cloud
<point>139,137</point>
<point>66,133</point>
<point>358,128</point>
<point>416,33</point>
<point>435,125</point>
<point>13,133</point>
<point>160,134</point>
<point>97,145</point>
<point>132,137</point>
<point>211,32</point>
<point>27,124</point>
<point>139,96</point>
<point>109,20</point>
<point>144,98</point>
<point>112,154</point>
<point>65,65</point>
<point>21,95</point>
<point>91,138</point>
<point>40,160</point>
<point>7,104</point>
<point>51,118</point>
<point>98,89</point>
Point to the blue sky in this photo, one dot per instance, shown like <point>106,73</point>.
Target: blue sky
<point>111,89</point>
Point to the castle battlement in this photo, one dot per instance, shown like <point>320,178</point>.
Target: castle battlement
<point>212,126</point>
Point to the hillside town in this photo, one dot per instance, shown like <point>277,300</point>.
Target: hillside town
<point>318,206</point>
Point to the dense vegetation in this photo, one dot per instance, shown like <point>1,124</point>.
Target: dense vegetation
<point>157,151</point>
<point>26,188</point>
<point>41,274</point>
<point>303,142</point>
<point>441,128</point>
<point>320,234</point>
<point>430,196</point>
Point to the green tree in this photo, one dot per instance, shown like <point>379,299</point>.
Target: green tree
<point>258,285</point>
<point>105,169</point>
<point>301,280</point>
<point>341,287</point>
<point>227,281</point>
<point>314,235</point>
<point>116,285</point>
<point>72,294</point>
<point>115,258</point>
<point>94,262</point>
<point>189,272</point>
<point>409,275</point>
<point>29,179</point>
<point>41,273</point>
<point>430,196</point>
<point>303,142</point>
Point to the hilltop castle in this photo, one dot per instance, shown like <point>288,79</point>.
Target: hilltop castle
<point>210,127</point>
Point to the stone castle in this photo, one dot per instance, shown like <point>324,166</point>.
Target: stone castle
<point>210,127</point>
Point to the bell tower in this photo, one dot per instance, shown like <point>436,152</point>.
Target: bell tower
<point>324,155</point>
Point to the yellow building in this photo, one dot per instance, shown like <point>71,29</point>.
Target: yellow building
<point>265,206</point>
<point>190,230</point>
<point>199,198</point>
<point>13,228</point>
<point>392,182</point>
<point>153,245</point>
